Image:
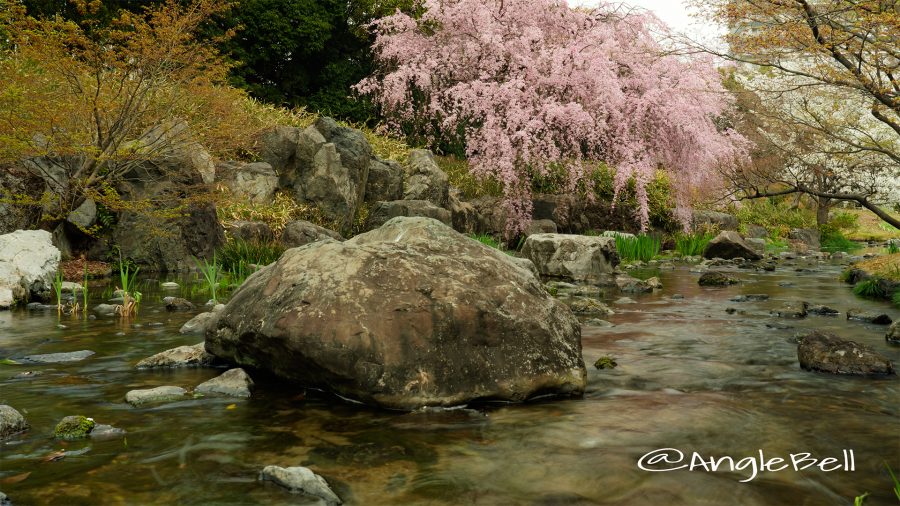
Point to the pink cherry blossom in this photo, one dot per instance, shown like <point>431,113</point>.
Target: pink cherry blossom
<point>532,83</point>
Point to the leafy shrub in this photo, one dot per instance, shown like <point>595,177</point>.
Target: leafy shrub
<point>692,244</point>
<point>834,240</point>
<point>778,216</point>
<point>641,247</point>
<point>237,254</point>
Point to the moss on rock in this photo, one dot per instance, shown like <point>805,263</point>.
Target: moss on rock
<point>74,427</point>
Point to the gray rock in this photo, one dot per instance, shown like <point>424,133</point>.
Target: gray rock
<point>58,358</point>
<point>893,333</point>
<point>705,219</point>
<point>178,304</point>
<point>825,352</point>
<point>572,257</point>
<point>17,181</point>
<point>750,297</point>
<point>729,245</point>
<point>199,324</point>
<point>4,500</point>
<point>104,309</point>
<point>540,227</point>
<point>103,431</point>
<point>383,212</point>
<point>85,215</point>
<point>756,232</point>
<point>385,181</point>
<point>28,263</point>
<point>792,309</point>
<point>582,306</point>
<point>299,233</point>
<point>716,278</point>
<point>301,480</point>
<point>278,147</point>
<point>11,421</point>
<point>596,322</point>
<point>422,296</point>
<point>169,285</point>
<point>231,383</point>
<point>625,300</point>
<point>629,284</point>
<point>182,356</point>
<point>250,231</point>
<point>255,182</point>
<point>758,245</point>
<point>425,180</point>
<point>463,215</point>
<point>823,310</point>
<point>808,237</point>
<point>152,395</point>
<point>869,317</point>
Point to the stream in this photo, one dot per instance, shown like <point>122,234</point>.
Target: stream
<point>690,377</point>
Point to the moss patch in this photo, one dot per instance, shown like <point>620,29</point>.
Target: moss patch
<point>606,362</point>
<point>74,427</point>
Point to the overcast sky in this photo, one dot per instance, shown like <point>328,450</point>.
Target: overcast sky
<point>674,12</point>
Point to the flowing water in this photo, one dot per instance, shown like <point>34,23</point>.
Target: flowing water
<point>690,377</point>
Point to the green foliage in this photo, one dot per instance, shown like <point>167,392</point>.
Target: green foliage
<point>894,477</point>
<point>606,362</point>
<point>776,245</point>
<point>834,240</point>
<point>860,500</point>
<point>778,216</point>
<point>641,247</point>
<point>896,298</point>
<point>57,288</point>
<point>73,427</point>
<point>692,244</point>
<point>128,279</point>
<point>659,195</point>
<point>893,248</point>
<point>488,240</point>
<point>237,254</point>
<point>212,274</point>
<point>870,289</point>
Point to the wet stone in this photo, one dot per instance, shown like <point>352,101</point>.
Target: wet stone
<point>231,383</point>
<point>869,317</point>
<point>300,480</point>
<point>57,358</point>
<point>158,394</point>
<point>825,352</point>
<point>823,310</point>
<point>11,421</point>
<point>750,297</point>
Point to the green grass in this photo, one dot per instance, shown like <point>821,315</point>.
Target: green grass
<point>237,254</point>
<point>894,478</point>
<point>834,240</point>
<point>57,288</point>
<point>640,247</point>
<point>692,244</point>
<point>896,298</point>
<point>893,248</point>
<point>869,289</point>
<point>860,500</point>
<point>212,274</point>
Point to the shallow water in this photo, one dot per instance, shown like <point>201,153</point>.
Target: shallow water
<point>690,377</point>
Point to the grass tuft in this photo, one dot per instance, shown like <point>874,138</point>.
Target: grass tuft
<point>641,247</point>
<point>692,244</point>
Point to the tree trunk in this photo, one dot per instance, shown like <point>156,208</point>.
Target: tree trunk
<point>823,206</point>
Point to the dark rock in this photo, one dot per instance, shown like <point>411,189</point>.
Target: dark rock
<point>104,309</point>
<point>278,147</point>
<point>629,284</point>
<point>540,227</point>
<point>301,480</point>
<point>807,237</point>
<point>438,320</point>
<point>385,181</point>
<point>383,212</point>
<point>182,356</point>
<point>794,309</point>
<point>11,421</point>
<point>893,333</point>
<point>178,304</point>
<point>74,427</point>
<point>606,363</point>
<point>250,231</point>
<point>821,351</point>
<point>716,278</point>
<point>750,297</point>
<point>231,383</point>
<point>713,219</point>
<point>16,183</point>
<point>58,358</point>
<point>463,215</point>
<point>299,233</point>
<point>729,245</point>
<point>823,310</point>
<point>583,306</point>
<point>869,317</point>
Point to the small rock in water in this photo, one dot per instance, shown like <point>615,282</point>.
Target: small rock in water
<point>105,309</point>
<point>158,394</point>
<point>102,431</point>
<point>625,300</point>
<point>677,296</point>
<point>716,278</point>
<point>231,383</point>
<point>74,427</point>
<point>182,356</point>
<point>199,323</point>
<point>797,309</point>
<point>301,480</point>
<point>169,285</point>
<point>750,297</point>
<point>823,310</point>
<point>824,352</point>
<point>11,421</point>
<point>4,500</point>
<point>787,283</point>
<point>178,304</point>
<point>606,363</point>
<point>597,322</point>
<point>893,333</point>
<point>590,306</point>
<point>56,358</point>
<point>869,317</point>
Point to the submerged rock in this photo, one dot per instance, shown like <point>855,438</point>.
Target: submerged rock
<point>301,480</point>
<point>750,297</point>
<point>231,383</point>
<point>158,394</point>
<point>182,356</point>
<point>178,304</point>
<point>869,317</point>
<point>572,257</point>
<point>629,284</point>
<point>438,320</point>
<point>590,307</point>
<point>74,427</point>
<point>11,421</point>
<point>716,278</point>
<point>795,309</point>
<point>103,431</point>
<point>893,333</point>
<point>58,358</point>
<point>825,352</point>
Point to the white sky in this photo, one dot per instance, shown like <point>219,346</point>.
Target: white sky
<point>674,12</point>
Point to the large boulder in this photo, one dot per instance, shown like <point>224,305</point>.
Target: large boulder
<point>278,148</point>
<point>20,195</point>
<point>713,219</point>
<point>425,180</point>
<point>805,239</point>
<point>250,231</point>
<point>84,216</point>
<point>825,352</point>
<point>572,257</point>
<point>385,181</point>
<point>730,245</point>
<point>411,314</point>
<point>383,212</point>
<point>28,264</point>
<point>256,182</point>
<point>173,148</point>
<point>298,233</point>
<point>462,214</point>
